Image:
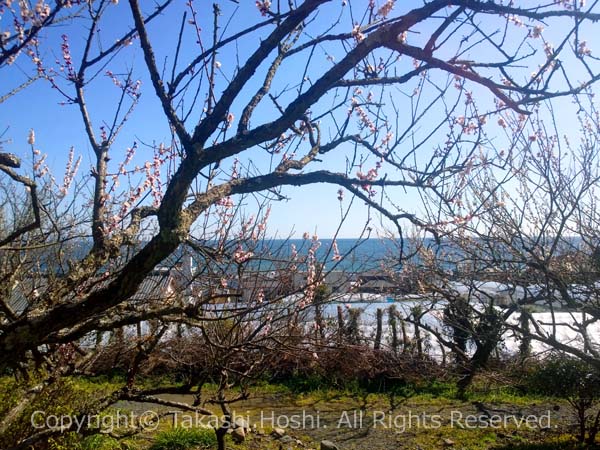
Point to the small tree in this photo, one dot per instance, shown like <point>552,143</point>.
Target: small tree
<point>562,375</point>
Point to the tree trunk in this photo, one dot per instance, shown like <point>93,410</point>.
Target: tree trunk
<point>341,325</point>
<point>377,344</point>
<point>394,327</point>
<point>320,331</point>
<point>488,333</point>
<point>405,338</point>
<point>418,341</point>
<point>221,432</point>
<point>525,347</point>
<point>352,328</point>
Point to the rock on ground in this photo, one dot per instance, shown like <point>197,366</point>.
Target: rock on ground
<point>238,435</point>
<point>328,445</point>
<point>278,432</point>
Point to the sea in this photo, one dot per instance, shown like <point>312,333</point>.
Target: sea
<point>353,255</point>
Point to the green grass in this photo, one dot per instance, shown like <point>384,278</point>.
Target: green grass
<point>565,442</point>
<point>74,441</point>
<point>507,395</point>
<point>463,439</point>
<point>100,442</point>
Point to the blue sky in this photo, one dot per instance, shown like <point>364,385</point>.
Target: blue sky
<point>310,208</point>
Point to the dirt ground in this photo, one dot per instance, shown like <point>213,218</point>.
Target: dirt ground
<point>379,422</point>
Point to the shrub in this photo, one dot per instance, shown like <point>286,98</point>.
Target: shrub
<point>63,397</point>
<point>564,376</point>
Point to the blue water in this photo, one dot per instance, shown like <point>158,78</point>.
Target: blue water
<point>356,255</point>
<point>360,255</point>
